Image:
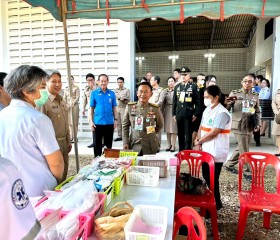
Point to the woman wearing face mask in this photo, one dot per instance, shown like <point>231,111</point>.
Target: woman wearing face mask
<point>27,136</point>
<point>213,135</point>
<point>170,126</point>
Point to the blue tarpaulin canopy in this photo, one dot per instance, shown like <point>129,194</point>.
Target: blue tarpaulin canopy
<point>136,10</point>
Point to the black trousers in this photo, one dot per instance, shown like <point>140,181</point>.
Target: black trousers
<point>257,137</point>
<point>105,132</point>
<point>184,126</point>
<point>206,176</point>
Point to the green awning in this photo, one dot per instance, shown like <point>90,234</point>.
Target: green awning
<point>136,10</point>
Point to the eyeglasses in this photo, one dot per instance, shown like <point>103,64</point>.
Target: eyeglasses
<point>248,82</point>
<point>144,93</point>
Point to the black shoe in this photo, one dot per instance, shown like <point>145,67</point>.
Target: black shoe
<point>262,135</point>
<point>277,154</point>
<point>117,139</point>
<point>248,177</point>
<point>258,144</point>
<point>91,145</point>
<point>172,150</point>
<point>168,149</point>
<point>232,170</point>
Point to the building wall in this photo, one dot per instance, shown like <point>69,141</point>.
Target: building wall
<point>229,65</point>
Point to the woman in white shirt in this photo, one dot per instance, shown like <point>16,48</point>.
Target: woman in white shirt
<point>26,135</point>
<point>264,94</point>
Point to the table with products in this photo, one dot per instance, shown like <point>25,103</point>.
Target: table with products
<point>161,195</point>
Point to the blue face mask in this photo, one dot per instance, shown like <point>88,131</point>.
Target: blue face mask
<point>43,99</point>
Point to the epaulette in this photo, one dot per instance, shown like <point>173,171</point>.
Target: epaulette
<point>255,93</point>
<point>166,88</point>
<point>132,103</point>
<point>239,90</point>
<point>154,105</point>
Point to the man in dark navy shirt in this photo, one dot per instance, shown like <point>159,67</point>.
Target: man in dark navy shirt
<point>103,114</point>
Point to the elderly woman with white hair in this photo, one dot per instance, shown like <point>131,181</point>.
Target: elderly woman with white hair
<point>26,135</point>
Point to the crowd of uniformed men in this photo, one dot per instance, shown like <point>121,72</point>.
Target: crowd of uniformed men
<point>28,136</point>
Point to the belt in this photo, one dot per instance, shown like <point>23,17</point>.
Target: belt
<point>209,129</point>
<point>61,138</point>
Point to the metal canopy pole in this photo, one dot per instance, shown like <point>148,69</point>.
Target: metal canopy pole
<point>63,13</point>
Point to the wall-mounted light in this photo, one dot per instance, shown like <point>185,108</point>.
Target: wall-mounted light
<point>153,18</point>
<point>173,57</point>
<point>209,55</point>
<point>140,58</point>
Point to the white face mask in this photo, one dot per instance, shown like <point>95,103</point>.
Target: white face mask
<point>201,82</point>
<point>207,102</point>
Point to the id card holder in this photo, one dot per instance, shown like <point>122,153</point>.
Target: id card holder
<point>150,129</point>
<point>138,123</point>
<point>182,97</point>
<point>245,106</point>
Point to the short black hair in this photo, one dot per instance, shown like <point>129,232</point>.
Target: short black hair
<point>251,75</point>
<point>145,84</point>
<point>200,74</point>
<point>144,78</point>
<point>267,82</point>
<point>172,78</point>
<point>214,91</point>
<point>120,78</point>
<point>177,70</point>
<point>157,78</point>
<point>90,75</point>
<point>208,78</point>
<point>2,76</point>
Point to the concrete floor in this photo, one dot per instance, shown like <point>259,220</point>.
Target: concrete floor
<point>267,145</point>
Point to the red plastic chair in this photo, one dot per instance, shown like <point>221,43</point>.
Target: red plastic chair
<point>189,217</point>
<point>256,199</point>
<point>194,160</point>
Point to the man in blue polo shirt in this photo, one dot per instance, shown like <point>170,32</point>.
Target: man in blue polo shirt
<point>103,114</point>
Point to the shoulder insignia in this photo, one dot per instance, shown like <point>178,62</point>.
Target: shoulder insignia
<point>132,103</point>
<point>255,93</point>
<point>166,88</point>
<point>19,196</point>
<point>154,105</point>
<point>239,90</point>
<point>234,91</point>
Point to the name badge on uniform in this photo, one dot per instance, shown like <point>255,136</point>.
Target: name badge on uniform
<point>188,99</point>
<point>182,97</point>
<point>138,123</point>
<point>245,106</point>
<point>150,129</point>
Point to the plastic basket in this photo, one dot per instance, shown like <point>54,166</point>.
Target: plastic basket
<point>153,216</point>
<point>84,223</point>
<point>109,194</point>
<point>58,187</point>
<point>119,182</point>
<point>143,176</point>
<point>111,153</point>
<point>156,163</point>
<point>130,154</point>
<point>97,210</point>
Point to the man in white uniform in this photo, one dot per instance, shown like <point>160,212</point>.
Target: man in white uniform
<point>18,217</point>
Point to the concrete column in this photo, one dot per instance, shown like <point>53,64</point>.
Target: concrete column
<point>126,36</point>
<point>4,59</point>
<point>275,76</point>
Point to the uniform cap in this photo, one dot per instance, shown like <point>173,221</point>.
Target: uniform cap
<point>185,70</point>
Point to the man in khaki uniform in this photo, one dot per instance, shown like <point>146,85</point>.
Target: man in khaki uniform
<point>122,96</point>
<point>73,105</point>
<point>86,99</point>
<point>57,111</point>
<point>145,120</point>
<point>157,97</point>
<point>245,119</point>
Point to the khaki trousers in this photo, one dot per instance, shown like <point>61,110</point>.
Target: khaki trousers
<point>64,150</point>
